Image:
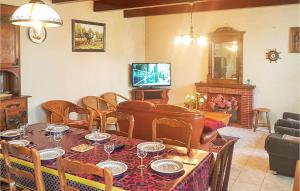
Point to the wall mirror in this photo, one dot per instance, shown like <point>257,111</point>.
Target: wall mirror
<point>225,56</point>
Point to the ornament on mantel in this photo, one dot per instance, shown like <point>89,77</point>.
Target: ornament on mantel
<point>272,55</point>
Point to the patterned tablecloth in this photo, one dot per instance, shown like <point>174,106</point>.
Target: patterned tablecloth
<point>195,176</point>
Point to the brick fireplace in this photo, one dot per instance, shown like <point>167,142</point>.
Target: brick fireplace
<point>244,93</point>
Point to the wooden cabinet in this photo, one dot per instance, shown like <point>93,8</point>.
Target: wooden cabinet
<point>9,39</point>
<point>158,96</point>
<point>13,106</point>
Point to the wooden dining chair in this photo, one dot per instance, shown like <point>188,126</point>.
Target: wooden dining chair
<point>77,167</point>
<point>126,128</point>
<point>173,132</point>
<point>221,168</point>
<point>9,150</point>
<point>58,111</point>
<point>100,106</point>
<point>113,98</point>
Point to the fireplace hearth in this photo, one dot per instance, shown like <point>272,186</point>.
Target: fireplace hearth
<point>243,94</point>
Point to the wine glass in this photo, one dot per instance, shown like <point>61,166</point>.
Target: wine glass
<point>141,154</point>
<point>50,127</point>
<point>58,137</point>
<point>157,147</point>
<point>95,130</point>
<point>95,134</point>
<point>109,148</point>
<point>22,130</point>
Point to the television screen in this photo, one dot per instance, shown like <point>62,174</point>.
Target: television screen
<point>151,74</point>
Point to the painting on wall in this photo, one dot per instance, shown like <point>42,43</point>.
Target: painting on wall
<point>88,36</point>
<point>294,43</point>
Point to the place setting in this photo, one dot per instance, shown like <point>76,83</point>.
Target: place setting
<point>158,164</point>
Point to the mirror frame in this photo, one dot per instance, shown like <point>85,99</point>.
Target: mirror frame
<point>220,35</point>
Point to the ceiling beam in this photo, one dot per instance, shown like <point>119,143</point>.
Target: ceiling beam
<point>66,1</point>
<point>207,5</point>
<point>105,5</point>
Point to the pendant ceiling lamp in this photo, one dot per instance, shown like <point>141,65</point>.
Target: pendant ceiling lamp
<point>36,14</point>
<point>191,37</point>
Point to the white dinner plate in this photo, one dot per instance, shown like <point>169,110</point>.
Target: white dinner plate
<point>50,154</point>
<point>97,136</point>
<point>116,167</point>
<point>10,133</point>
<point>151,146</point>
<point>56,128</point>
<point>22,143</point>
<point>167,166</point>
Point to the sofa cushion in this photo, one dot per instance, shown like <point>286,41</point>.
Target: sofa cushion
<point>212,125</point>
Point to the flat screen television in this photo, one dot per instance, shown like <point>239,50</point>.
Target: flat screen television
<point>151,74</point>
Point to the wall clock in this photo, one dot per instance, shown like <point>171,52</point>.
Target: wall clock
<point>37,38</point>
<point>272,55</point>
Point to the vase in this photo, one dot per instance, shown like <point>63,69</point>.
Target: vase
<point>233,117</point>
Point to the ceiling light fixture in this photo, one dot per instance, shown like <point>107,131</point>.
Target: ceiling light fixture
<point>188,39</point>
<point>36,14</point>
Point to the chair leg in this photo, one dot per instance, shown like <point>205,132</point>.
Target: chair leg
<point>256,120</point>
<point>268,121</point>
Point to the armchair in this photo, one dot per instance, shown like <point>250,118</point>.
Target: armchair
<point>101,107</point>
<point>283,153</point>
<point>58,111</point>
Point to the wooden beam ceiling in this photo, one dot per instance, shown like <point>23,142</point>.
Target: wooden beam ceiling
<point>139,8</point>
<point>66,1</point>
<point>105,5</point>
<point>206,5</point>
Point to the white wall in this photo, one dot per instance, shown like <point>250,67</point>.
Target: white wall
<point>52,71</point>
<point>277,84</point>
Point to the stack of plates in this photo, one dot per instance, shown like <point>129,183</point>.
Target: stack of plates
<point>22,143</point>
<point>57,128</point>
<point>50,154</point>
<point>97,137</point>
<point>151,146</point>
<point>116,167</point>
<point>167,166</point>
<point>10,133</point>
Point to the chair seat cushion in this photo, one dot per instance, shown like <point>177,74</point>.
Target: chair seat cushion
<point>212,125</point>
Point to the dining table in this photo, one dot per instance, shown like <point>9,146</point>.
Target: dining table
<point>194,177</point>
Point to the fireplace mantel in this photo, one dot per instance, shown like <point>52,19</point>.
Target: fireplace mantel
<point>233,86</point>
<point>242,91</point>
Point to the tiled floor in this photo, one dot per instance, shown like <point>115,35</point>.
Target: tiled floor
<point>250,165</point>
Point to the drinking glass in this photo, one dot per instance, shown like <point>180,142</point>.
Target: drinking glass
<point>50,127</point>
<point>22,130</point>
<point>95,133</point>
<point>141,154</point>
<point>58,137</point>
<point>157,147</point>
<point>109,148</point>
<point>95,130</point>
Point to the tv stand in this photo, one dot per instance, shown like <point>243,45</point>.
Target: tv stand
<point>154,95</point>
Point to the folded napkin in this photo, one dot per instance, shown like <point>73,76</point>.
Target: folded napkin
<point>82,148</point>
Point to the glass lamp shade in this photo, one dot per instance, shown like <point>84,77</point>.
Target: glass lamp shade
<point>186,40</point>
<point>190,39</point>
<point>202,40</point>
<point>36,14</point>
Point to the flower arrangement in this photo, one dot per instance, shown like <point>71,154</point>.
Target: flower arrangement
<point>220,103</point>
<point>193,101</point>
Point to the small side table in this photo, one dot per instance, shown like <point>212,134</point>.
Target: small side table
<point>257,112</point>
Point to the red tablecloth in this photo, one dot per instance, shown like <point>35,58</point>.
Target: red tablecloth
<point>195,176</point>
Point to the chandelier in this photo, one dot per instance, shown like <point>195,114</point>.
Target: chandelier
<point>191,37</point>
<point>36,14</point>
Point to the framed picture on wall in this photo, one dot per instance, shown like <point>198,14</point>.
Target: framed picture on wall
<point>294,42</point>
<point>88,36</point>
